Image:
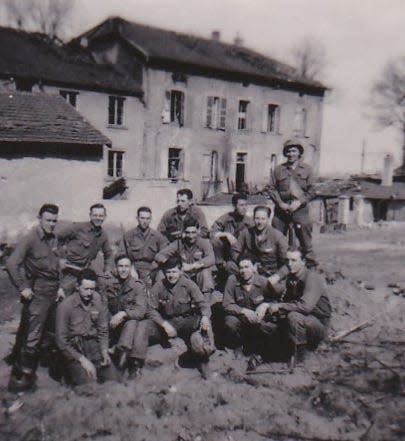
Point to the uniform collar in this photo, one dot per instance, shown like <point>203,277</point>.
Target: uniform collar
<point>139,232</point>
<point>301,275</point>
<point>42,235</point>
<point>91,228</point>
<point>77,301</point>
<point>253,281</point>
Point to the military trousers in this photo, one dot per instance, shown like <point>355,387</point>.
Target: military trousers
<point>306,329</point>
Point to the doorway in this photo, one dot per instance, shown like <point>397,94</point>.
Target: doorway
<point>240,172</point>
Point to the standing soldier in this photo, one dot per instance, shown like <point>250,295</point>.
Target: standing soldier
<point>291,190</point>
<point>171,224</point>
<point>178,308</point>
<point>34,269</point>
<point>197,256</point>
<point>82,334</point>
<point>127,303</point>
<point>83,241</point>
<point>141,244</point>
<point>226,230</point>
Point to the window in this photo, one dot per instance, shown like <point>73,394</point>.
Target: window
<point>175,164</point>
<point>300,121</point>
<point>210,166</point>
<point>115,163</point>
<point>116,110</point>
<point>273,117</point>
<point>174,107</point>
<point>242,115</point>
<point>216,113</point>
<point>69,96</point>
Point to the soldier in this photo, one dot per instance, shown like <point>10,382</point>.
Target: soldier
<point>267,244</point>
<point>197,256</point>
<point>171,224</point>
<point>34,269</point>
<point>305,305</point>
<point>245,298</point>
<point>291,189</point>
<point>83,241</point>
<point>177,308</point>
<point>82,334</point>
<point>141,244</point>
<point>226,230</point>
<point>127,303</point>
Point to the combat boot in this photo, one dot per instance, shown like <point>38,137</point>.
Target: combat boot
<point>135,366</point>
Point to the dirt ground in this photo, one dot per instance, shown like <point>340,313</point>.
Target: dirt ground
<point>351,390</point>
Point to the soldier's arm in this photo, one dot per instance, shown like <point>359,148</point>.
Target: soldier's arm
<point>204,232</point>
<point>273,187</point>
<point>162,242</point>
<point>153,306</point>
<point>166,253</point>
<point>162,227</point>
<point>67,233</point>
<point>63,340</point>
<point>15,264</point>
<point>107,254</point>
<point>200,300</point>
<point>217,227</point>
<point>209,256</point>
<point>281,247</point>
<point>102,328</point>
<point>309,193</point>
<point>137,306</point>
<point>239,245</point>
<point>229,303</point>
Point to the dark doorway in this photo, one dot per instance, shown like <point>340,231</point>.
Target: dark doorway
<point>240,172</point>
<point>380,209</point>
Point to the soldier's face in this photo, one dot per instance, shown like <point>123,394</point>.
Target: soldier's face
<point>48,221</point>
<point>241,207</point>
<point>294,261</point>
<point>87,289</point>
<point>190,234</point>
<point>144,219</point>
<point>246,269</point>
<point>183,202</point>
<point>292,154</point>
<point>261,219</point>
<point>173,275</point>
<point>123,267</point>
<point>97,216</point>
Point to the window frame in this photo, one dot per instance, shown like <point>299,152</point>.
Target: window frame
<point>115,111</point>
<point>242,122</point>
<point>115,168</point>
<point>215,115</point>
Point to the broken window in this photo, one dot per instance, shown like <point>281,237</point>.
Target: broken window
<point>242,114</point>
<point>174,107</point>
<point>69,96</point>
<point>216,113</point>
<point>115,163</point>
<point>116,110</point>
<point>175,163</point>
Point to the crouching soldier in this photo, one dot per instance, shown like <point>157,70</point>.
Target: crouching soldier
<point>127,304</point>
<point>196,254</point>
<point>82,334</point>
<point>305,309</point>
<point>245,301</point>
<point>177,308</point>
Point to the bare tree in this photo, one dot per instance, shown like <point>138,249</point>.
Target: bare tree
<point>387,99</point>
<point>47,16</point>
<point>309,58</point>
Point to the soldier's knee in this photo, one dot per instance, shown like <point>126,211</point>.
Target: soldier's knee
<point>231,322</point>
<point>295,318</point>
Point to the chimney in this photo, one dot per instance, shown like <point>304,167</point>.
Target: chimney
<point>238,40</point>
<point>388,171</point>
<point>216,35</point>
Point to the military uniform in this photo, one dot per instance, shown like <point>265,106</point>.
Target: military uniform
<point>130,296</point>
<point>83,241</point>
<point>182,305</point>
<point>238,330</point>
<point>268,246</point>
<point>171,224</point>
<point>141,247</point>
<point>35,264</point>
<point>82,330</point>
<point>202,252</point>
<point>294,183</point>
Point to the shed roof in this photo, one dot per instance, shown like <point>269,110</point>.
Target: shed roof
<point>35,56</point>
<point>157,44</point>
<point>44,118</point>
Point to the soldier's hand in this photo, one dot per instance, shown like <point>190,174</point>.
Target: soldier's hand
<point>88,366</point>
<point>60,295</point>
<point>187,267</point>
<point>205,323</point>
<point>261,311</point>
<point>169,329</point>
<point>250,315</point>
<point>274,279</point>
<point>294,205</point>
<point>106,361</point>
<point>284,206</point>
<point>231,238</point>
<point>27,293</point>
<point>107,274</point>
<point>117,318</point>
<point>274,308</point>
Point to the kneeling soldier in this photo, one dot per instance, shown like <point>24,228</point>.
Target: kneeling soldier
<point>127,303</point>
<point>177,308</point>
<point>82,334</point>
<point>245,298</point>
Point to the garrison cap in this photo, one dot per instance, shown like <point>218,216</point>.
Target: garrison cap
<point>293,142</point>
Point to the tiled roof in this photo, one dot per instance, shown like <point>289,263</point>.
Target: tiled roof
<point>159,44</point>
<point>34,56</point>
<point>44,118</point>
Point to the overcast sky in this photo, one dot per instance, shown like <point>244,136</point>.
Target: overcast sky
<point>359,36</point>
